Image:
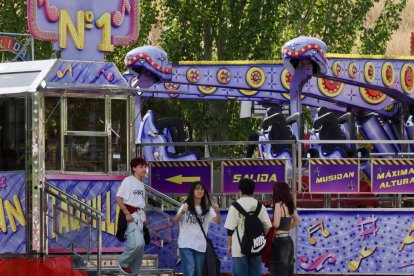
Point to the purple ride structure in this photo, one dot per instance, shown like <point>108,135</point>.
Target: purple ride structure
<point>71,135</point>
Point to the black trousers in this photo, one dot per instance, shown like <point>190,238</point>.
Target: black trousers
<point>282,259</point>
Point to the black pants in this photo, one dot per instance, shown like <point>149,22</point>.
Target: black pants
<point>281,260</point>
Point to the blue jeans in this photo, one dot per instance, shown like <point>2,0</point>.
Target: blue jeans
<point>192,262</point>
<point>282,259</point>
<point>247,266</point>
<point>134,249</point>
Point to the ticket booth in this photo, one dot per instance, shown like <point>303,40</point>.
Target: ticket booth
<point>58,119</point>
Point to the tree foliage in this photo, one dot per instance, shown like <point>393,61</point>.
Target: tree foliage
<point>374,38</point>
<point>13,19</point>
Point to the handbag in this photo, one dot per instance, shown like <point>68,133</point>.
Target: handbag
<point>267,253</point>
<point>147,236</point>
<point>213,264</point>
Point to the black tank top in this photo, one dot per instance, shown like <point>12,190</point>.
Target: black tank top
<point>284,221</point>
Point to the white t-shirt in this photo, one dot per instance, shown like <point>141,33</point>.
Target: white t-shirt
<point>236,220</point>
<point>132,191</point>
<point>190,235</point>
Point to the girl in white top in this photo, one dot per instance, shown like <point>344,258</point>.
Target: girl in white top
<point>191,240</point>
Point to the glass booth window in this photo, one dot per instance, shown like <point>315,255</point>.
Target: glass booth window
<point>94,133</point>
<point>12,134</point>
<point>119,135</point>
<point>52,133</point>
<point>85,153</point>
<point>86,114</point>
<point>85,147</point>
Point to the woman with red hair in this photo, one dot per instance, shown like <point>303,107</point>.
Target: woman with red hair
<point>285,217</point>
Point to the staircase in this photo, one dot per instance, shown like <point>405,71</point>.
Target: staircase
<point>87,259</point>
<point>109,266</point>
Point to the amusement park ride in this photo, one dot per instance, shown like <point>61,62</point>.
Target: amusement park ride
<point>73,125</point>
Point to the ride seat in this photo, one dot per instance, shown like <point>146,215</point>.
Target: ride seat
<point>174,128</point>
<point>279,131</point>
<point>148,133</point>
<point>329,129</point>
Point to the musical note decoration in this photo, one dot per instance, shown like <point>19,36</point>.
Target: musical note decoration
<point>354,265</point>
<point>372,230</point>
<point>134,82</point>
<point>60,74</point>
<point>406,264</point>
<point>3,183</point>
<point>314,228</point>
<point>51,12</point>
<point>117,17</point>
<point>108,75</point>
<point>317,263</point>
<point>408,238</point>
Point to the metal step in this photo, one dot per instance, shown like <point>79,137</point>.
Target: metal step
<point>109,262</point>
<point>143,272</point>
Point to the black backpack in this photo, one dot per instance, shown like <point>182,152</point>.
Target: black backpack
<point>254,239</point>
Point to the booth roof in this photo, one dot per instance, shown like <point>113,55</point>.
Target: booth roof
<point>32,76</point>
<point>24,76</point>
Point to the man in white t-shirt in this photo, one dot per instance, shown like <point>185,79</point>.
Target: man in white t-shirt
<point>131,200</point>
<point>243,265</point>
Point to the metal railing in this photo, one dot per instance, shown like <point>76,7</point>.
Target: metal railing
<point>161,198</point>
<point>395,199</point>
<point>57,203</point>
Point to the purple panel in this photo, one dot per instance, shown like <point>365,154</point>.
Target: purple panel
<point>276,80</point>
<point>264,172</point>
<point>355,242</point>
<point>393,176</point>
<point>177,91</point>
<point>13,199</point>
<point>92,192</point>
<point>333,176</point>
<point>102,73</point>
<point>168,231</point>
<point>172,177</point>
<point>118,21</point>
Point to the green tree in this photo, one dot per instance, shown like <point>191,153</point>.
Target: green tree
<point>13,19</point>
<point>374,38</point>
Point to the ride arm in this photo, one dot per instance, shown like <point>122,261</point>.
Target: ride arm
<point>293,118</point>
<point>271,120</point>
<point>347,117</point>
<point>326,118</point>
